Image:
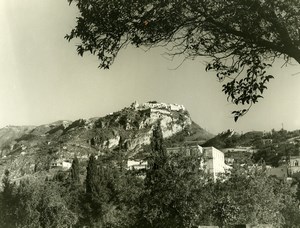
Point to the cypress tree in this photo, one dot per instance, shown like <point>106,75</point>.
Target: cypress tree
<point>92,178</point>
<point>159,153</point>
<point>8,202</point>
<point>167,200</point>
<point>75,171</point>
<point>157,138</point>
<point>94,194</point>
<point>157,160</point>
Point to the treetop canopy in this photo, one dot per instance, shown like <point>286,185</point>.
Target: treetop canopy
<point>241,38</point>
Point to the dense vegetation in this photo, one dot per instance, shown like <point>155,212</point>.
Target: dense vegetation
<point>173,192</point>
<point>229,139</point>
<point>272,147</point>
<point>276,147</point>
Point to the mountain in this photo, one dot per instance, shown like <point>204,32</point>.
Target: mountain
<point>254,139</point>
<point>191,135</point>
<point>8,136</point>
<point>231,139</point>
<point>37,151</point>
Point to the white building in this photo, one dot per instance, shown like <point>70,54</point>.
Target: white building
<point>65,164</point>
<point>294,166</point>
<point>212,161</point>
<point>136,165</point>
<point>215,162</point>
<point>153,105</point>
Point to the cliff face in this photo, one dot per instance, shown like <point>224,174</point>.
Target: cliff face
<point>43,148</point>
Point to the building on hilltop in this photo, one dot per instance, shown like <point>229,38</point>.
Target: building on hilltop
<point>213,159</point>
<point>153,105</point>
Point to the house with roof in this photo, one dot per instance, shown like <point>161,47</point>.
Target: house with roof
<point>294,164</point>
<point>61,163</point>
<point>212,161</point>
<point>137,165</point>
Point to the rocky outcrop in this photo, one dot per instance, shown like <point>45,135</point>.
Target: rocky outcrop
<point>137,123</point>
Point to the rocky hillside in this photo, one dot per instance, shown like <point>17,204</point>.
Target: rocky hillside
<point>255,139</point>
<point>8,136</point>
<point>31,151</point>
<point>231,139</point>
<point>256,146</point>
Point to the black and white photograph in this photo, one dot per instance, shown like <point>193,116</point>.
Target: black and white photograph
<point>150,114</point>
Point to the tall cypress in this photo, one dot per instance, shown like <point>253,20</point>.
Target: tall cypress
<point>159,153</point>
<point>157,138</point>
<point>92,194</point>
<point>155,182</point>
<point>157,159</point>
<point>8,202</point>
<point>92,178</point>
<point>75,171</point>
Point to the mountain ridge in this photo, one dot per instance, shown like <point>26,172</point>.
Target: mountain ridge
<point>35,149</point>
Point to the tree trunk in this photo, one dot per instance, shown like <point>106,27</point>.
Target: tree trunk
<point>294,52</point>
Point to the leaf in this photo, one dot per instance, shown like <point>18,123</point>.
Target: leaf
<point>236,118</point>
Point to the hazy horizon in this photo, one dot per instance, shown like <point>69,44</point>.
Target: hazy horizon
<point>44,80</point>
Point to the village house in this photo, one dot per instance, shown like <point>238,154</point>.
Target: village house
<point>137,165</point>
<point>23,147</point>
<point>61,163</point>
<point>294,165</point>
<point>213,161</point>
<point>267,141</point>
<point>240,149</point>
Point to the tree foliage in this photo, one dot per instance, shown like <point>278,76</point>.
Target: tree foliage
<point>175,191</point>
<point>94,193</point>
<point>111,195</point>
<point>249,196</point>
<point>32,204</point>
<point>173,187</point>
<point>242,38</point>
<point>75,178</point>
<point>174,198</point>
<point>178,193</point>
<point>8,202</point>
<point>158,151</point>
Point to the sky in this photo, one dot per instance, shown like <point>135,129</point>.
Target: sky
<point>42,79</point>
